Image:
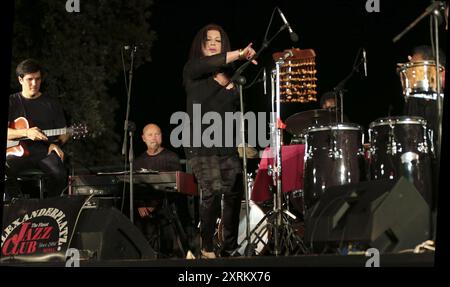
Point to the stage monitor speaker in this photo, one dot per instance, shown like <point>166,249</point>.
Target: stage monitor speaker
<point>106,234</point>
<point>388,215</point>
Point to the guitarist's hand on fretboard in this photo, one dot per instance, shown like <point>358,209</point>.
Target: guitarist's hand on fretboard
<point>35,134</point>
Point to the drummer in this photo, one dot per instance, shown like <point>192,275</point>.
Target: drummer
<point>330,101</point>
<point>426,53</point>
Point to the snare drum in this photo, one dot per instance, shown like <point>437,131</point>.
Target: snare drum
<point>419,79</point>
<point>401,146</point>
<point>334,156</point>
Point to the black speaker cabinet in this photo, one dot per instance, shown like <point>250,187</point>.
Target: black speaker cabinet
<point>106,234</point>
<point>388,215</point>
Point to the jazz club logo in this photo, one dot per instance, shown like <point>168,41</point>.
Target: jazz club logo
<point>40,231</point>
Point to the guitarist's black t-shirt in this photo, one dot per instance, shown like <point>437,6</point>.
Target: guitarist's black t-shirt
<point>43,112</point>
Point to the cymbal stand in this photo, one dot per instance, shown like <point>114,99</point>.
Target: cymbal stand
<point>278,220</point>
<point>240,81</point>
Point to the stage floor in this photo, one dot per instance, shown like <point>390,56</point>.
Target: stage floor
<point>386,260</point>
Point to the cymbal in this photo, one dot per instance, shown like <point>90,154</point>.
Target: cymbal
<point>251,151</point>
<point>298,122</point>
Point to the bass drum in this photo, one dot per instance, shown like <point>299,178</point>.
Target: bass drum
<point>259,236</point>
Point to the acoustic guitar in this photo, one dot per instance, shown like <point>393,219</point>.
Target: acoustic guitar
<point>18,148</point>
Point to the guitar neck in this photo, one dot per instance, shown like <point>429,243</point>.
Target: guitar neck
<point>55,132</point>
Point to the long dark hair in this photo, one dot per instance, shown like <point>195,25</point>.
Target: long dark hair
<point>200,39</point>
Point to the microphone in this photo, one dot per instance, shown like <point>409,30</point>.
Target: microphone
<point>265,80</point>
<point>364,62</point>
<point>439,7</point>
<point>294,37</point>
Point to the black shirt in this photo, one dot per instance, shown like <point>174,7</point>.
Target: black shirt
<point>164,161</point>
<point>201,88</point>
<point>43,112</point>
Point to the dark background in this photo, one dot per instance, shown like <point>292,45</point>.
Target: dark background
<point>335,30</point>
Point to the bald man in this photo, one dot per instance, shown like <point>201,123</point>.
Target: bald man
<point>156,157</point>
<point>152,220</point>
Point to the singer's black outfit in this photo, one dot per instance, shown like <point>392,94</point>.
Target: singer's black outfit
<point>216,168</point>
<point>45,113</point>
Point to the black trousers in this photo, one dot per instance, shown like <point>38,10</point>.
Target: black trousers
<point>217,176</point>
<point>51,165</point>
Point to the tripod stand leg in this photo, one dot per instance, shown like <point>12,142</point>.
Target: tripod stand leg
<point>179,230</point>
<point>255,232</point>
<point>171,216</point>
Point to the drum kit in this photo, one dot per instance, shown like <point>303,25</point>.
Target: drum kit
<point>335,150</point>
<point>336,153</point>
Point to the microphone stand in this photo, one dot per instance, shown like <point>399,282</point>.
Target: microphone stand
<point>339,89</point>
<point>430,9</point>
<point>129,128</point>
<point>239,80</point>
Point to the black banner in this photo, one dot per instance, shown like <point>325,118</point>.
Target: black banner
<point>39,230</point>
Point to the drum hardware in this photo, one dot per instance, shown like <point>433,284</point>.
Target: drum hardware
<point>237,75</point>
<point>278,220</point>
<point>259,233</point>
<point>240,81</point>
<point>309,152</point>
<point>334,152</point>
<point>431,137</point>
<point>392,143</point>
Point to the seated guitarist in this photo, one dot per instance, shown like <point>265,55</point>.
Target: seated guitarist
<point>31,112</point>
